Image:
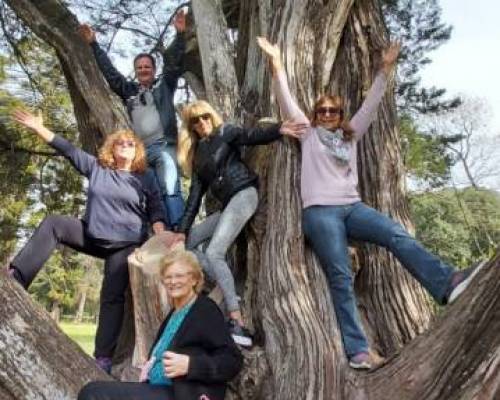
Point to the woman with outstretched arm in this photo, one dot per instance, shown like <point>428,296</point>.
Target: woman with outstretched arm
<point>210,153</point>
<point>333,211</point>
<point>123,200</point>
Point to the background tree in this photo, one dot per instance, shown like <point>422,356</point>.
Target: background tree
<point>475,153</point>
<point>284,289</point>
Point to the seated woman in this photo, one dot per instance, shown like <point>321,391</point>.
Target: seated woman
<point>187,360</point>
<point>209,152</point>
<point>122,200</point>
<point>332,208</point>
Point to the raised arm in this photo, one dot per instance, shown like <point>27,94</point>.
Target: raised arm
<point>117,82</point>
<point>363,118</point>
<point>172,59</point>
<point>81,160</point>
<point>288,106</point>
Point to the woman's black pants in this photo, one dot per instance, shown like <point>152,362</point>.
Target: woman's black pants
<point>69,231</point>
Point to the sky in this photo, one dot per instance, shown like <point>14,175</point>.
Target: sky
<point>469,62</point>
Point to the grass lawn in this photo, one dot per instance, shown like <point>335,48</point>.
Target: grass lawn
<point>83,334</point>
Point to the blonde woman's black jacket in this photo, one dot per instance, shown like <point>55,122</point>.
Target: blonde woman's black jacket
<point>217,166</point>
<point>214,359</point>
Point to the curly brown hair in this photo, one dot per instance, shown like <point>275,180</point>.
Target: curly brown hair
<point>107,160</point>
<point>338,102</point>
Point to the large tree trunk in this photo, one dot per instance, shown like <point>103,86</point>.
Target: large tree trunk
<point>329,46</point>
<point>37,361</point>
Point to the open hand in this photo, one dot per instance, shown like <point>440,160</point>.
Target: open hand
<point>390,56</point>
<point>293,129</point>
<point>87,33</point>
<point>28,120</point>
<point>175,364</point>
<point>180,21</point>
<point>272,51</point>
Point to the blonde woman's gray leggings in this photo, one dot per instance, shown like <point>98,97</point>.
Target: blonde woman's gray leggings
<point>222,229</point>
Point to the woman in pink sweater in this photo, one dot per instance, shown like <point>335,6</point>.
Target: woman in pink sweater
<point>332,208</point>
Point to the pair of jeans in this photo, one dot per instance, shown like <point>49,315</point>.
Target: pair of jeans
<point>222,229</point>
<point>328,228</point>
<point>56,229</point>
<point>105,390</point>
<point>162,158</point>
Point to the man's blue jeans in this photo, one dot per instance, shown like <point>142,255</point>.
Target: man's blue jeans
<point>162,158</point>
<point>328,228</point>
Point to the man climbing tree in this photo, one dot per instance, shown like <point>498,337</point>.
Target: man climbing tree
<point>330,46</point>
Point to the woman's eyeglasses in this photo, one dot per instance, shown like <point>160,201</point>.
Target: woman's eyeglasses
<point>194,120</point>
<point>329,110</point>
<point>176,277</point>
<point>125,143</point>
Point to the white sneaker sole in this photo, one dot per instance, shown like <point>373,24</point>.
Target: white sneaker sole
<point>242,340</point>
<point>362,365</point>
<point>463,285</point>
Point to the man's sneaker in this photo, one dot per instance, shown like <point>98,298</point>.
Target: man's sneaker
<point>104,363</point>
<point>360,361</point>
<point>240,334</point>
<point>461,280</point>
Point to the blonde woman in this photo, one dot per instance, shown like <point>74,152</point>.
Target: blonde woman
<point>187,360</point>
<point>209,152</point>
<point>122,200</point>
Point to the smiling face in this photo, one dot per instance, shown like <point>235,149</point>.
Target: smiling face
<point>145,71</point>
<point>124,149</point>
<point>329,113</point>
<point>179,281</point>
<point>202,124</point>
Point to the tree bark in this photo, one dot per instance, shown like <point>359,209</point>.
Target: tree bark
<point>329,46</point>
<point>81,305</point>
<point>37,360</point>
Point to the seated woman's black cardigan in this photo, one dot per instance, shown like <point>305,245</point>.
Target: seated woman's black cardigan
<point>214,359</point>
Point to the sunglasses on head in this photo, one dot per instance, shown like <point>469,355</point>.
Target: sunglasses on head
<point>194,120</point>
<point>329,110</point>
<point>125,143</point>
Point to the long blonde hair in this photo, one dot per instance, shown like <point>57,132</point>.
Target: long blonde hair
<point>187,258</point>
<point>188,138</point>
<point>107,159</point>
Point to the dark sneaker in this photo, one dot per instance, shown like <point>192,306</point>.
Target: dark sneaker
<point>461,280</point>
<point>240,334</point>
<point>360,361</point>
<point>104,363</point>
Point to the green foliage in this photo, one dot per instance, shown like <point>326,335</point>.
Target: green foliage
<point>33,181</point>
<point>417,24</point>
<point>461,226</point>
<point>425,157</point>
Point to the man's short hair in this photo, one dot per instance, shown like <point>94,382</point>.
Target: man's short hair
<point>142,55</point>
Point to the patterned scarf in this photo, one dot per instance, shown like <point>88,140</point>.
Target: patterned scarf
<point>337,147</point>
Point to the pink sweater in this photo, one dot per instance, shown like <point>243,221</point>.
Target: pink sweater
<point>324,181</point>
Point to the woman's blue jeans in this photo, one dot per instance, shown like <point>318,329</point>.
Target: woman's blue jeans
<point>328,228</point>
<point>162,158</point>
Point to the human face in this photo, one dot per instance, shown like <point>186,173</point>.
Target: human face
<point>179,282</point>
<point>144,71</point>
<point>329,115</point>
<point>202,124</point>
<point>124,149</point>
